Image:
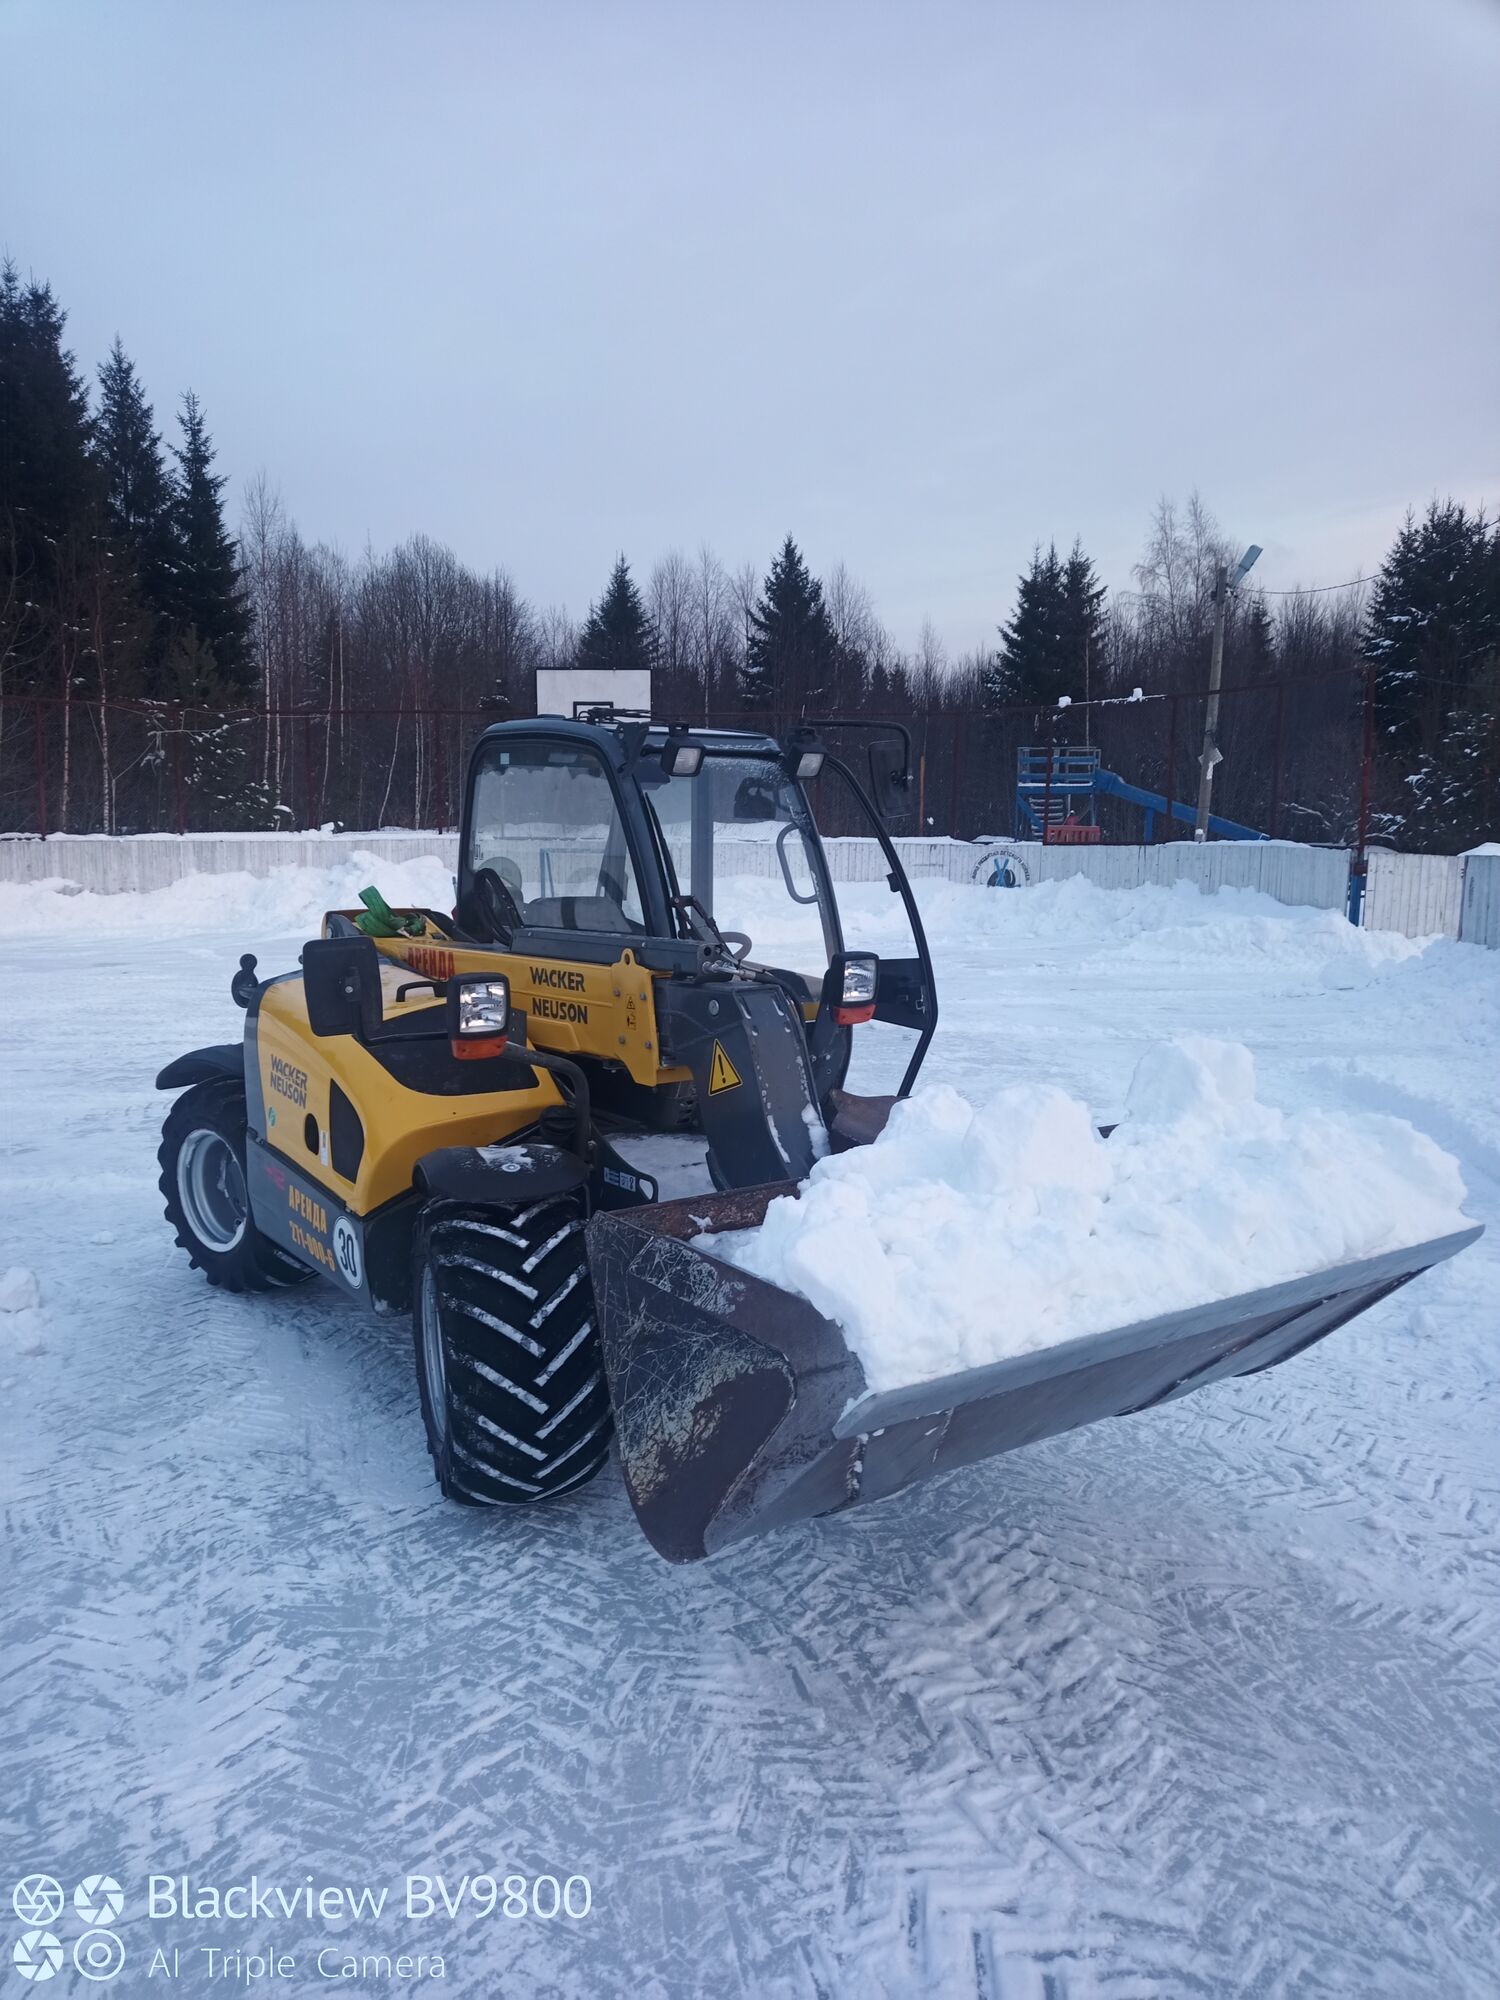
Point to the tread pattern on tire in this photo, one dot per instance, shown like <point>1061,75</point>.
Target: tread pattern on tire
<point>528,1405</point>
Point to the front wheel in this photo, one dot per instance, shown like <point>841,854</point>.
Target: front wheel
<point>202,1158</point>
<point>508,1362</point>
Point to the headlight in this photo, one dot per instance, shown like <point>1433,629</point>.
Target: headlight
<point>858,978</point>
<point>478,1016</point>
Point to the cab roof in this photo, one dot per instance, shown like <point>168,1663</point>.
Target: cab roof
<point>609,736</point>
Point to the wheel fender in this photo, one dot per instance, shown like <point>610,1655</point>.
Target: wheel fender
<point>200,1065</point>
<point>500,1176</point>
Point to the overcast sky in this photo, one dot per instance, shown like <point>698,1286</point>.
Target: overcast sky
<point>922,283</point>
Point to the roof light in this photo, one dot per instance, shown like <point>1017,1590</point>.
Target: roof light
<point>680,757</point>
<point>809,765</point>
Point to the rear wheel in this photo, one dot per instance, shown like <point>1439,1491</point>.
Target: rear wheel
<point>202,1156</point>
<point>508,1362</point>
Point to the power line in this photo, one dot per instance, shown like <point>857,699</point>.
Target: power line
<point>1312,589</point>
<point>1257,590</point>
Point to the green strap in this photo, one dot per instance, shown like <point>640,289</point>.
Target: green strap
<point>380,920</point>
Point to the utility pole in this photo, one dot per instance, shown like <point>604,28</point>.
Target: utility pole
<point>1211,754</point>
<point>1223,584</point>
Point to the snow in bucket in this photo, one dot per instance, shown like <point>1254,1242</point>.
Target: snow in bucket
<point>969,1234</point>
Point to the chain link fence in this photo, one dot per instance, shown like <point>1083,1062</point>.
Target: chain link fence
<point>1296,764</point>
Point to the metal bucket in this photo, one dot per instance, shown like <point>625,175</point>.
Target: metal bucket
<point>740,1408</point>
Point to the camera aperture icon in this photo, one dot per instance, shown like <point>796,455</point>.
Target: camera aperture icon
<point>98,1899</point>
<point>39,1902</point>
<point>99,1954</point>
<point>37,1899</point>
<point>37,1955</point>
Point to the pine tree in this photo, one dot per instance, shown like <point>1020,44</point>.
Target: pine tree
<point>48,485</point>
<point>617,633</point>
<point>1085,634</point>
<point>1432,615</point>
<point>792,653</point>
<point>1433,633</point>
<point>50,545</point>
<point>1057,640</point>
<point>138,494</point>
<point>210,595</point>
<point>1033,663</point>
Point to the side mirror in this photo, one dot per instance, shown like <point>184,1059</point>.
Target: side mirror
<point>244,986</point>
<point>341,984</point>
<point>890,780</point>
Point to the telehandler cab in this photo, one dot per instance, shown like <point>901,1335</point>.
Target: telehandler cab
<point>473,1116</point>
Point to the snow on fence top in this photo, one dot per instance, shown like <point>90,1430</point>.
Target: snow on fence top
<point>1418,895</point>
<point>108,864</point>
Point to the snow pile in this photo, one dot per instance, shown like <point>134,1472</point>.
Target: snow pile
<point>21,1317</point>
<point>285,901</point>
<point>19,1290</point>
<point>968,1235</point>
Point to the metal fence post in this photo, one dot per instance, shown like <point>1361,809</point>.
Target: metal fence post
<point>1171,766</point>
<point>1360,867</point>
<point>41,770</point>
<point>1280,754</point>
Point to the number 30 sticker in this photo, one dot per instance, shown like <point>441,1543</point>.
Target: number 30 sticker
<point>346,1251</point>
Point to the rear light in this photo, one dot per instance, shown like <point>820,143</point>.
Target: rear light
<point>856,1002</point>
<point>478,1016</point>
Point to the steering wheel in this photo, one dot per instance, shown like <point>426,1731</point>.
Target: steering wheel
<point>497,907</point>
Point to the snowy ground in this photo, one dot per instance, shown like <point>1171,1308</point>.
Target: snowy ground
<point>1201,1702</point>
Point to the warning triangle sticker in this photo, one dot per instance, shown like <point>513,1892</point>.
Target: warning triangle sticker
<point>722,1074</point>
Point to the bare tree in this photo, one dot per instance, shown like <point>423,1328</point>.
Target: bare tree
<point>557,637</point>
<point>1176,572</point>
<point>717,624</point>
<point>669,605</point>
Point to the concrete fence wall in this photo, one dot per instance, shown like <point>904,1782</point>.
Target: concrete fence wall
<point>1418,894</point>
<point>1292,874</point>
<point>1314,876</point>
<point>1479,918</point>
<point>107,864</point>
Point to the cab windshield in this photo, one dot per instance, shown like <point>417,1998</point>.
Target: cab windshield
<point>741,842</point>
<point>546,822</point>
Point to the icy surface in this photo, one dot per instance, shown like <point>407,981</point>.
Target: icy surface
<point>1199,1702</point>
<point>18,1289</point>
<point>965,1236</point>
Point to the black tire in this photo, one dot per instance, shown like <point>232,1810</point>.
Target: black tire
<point>508,1362</point>
<point>204,1186</point>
